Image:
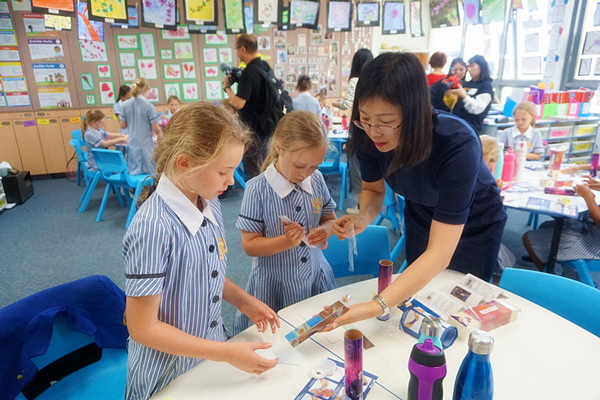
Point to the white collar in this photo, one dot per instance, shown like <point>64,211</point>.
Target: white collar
<point>187,212</point>
<point>281,185</point>
<point>528,133</point>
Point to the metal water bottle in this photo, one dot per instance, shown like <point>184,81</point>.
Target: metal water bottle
<point>431,328</point>
<point>427,366</point>
<point>474,380</point>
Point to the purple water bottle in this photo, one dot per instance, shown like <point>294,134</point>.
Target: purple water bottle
<point>594,165</point>
<point>427,366</point>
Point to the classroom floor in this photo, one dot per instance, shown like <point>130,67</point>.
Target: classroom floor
<point>46,242</point>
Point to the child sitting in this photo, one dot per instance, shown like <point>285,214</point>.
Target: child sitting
<point>524,115</point>
<point>95,137</point>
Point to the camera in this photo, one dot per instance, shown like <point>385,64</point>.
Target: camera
<point>451,82</point>
<point>235,74</point>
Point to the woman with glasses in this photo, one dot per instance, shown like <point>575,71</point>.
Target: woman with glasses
<point>454,214</point>
<point>475,96</point>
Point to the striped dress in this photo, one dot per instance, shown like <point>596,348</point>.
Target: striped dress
<point>292,275</point>
<point>173,249</point>
<point>579,240</point>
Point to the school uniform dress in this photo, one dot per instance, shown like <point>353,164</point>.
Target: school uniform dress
<point>290,276</point>
<point>118,110</point>
<point>452,186</point>
<point>510,136</point>
<point>93,140</point>
<point>175,250</point>
<point>476,105</point>
<point>140,114</point>
<point>307,102</point>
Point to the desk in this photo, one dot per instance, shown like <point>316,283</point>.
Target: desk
<point>539,356</point>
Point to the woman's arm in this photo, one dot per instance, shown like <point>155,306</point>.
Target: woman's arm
<point>474,105</point>
<point>371,201</point>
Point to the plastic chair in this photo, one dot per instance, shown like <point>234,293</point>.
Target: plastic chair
<point>113,168</point>
<point>583,268</point>
<point>568,298</point>
<point>89,177</point>
<point>66,342</point>
<point>76,135</point>
<point>534,220</point>
<point>394,212</point>
<point>240,176</point>
<point>333,166</point>
<point>372,245</point>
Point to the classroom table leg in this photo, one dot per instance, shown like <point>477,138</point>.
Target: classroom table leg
<point>554,244</point>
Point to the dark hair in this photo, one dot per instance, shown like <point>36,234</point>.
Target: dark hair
<point>248,42</point>
<point>484,75</point>
<point>304,83</point>
<point>455,61</point>
<point>123,90</point>
<point>361,58</point>
<point>398,79</point>
<point>437,60</point>
<point>173,98</point>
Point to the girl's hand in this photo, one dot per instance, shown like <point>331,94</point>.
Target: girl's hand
<point>592,183</point>
<point>318,237</point>
<point>242,355</point>
<point>261,314</point>
<point>356,312</point>
<point>341,227</point>
<point>584,191</point>
<point>294,233</point>
<point>124,139</point>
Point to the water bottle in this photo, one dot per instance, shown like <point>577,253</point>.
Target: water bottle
<point>344,122</point>
<point>594,165</point>
<point>474,380</point>
<point>521,158</point>
<point>431,328</point>
<point>427,366</point>
<point>500,163</point>
<point>508,171</point>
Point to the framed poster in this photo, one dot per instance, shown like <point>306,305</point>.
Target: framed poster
<point>304,13</point>
<point>393,18</point>
<point>266,11</point>
<point>234,16</point>
<point>367,14</point>
<point>339,16</point>
<point>201,12</point>
<point>133,20</point>
<point>160,14</point>
<point>108,10</point>
<point>62,7</point>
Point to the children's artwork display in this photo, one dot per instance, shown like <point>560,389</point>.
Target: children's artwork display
<point>152,95</point>
<point>266,12</point>
<point>108,10</point>
<point>471,12</point>
<point>46,49</point>
<point>63,7</point>
<point>127,59</point>
<point>304,13</point>
<point>189,70</point>
<point>147,47</point>
<point>172,89</point>
<point>133,20</point>
<point>215,39</point>
<point>107,92</point>
<point>90,99</point>
<point>129,74</point>
<point>50,74</point>
<point>104,71</point>
<point>57,22</point>
<point>147,69</point>
<point>202,29</point>
<point>492,11</point>
<point>87,82</point>
<point>393,18</point>
<point>201,12</point>
<point>213,90</point>
<point>416,27</point>
<point>183,50</point>
<point>166,54</point>
<point>54,97</point>
<point>172,71</point>
<point>159,14</point>
<point>127,42</point>
<point>367,14</point>
<point>211,72</point>
<point>226,55</point>
<point>190,91</point>
<point>444,13</point>
<point>339,16</point>
<point>234,16</point>
<point>87,29</point>
<point>209,55</point>
<point>93,51</point>
<point>181,33</point>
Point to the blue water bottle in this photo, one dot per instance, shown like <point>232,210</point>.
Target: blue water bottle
<point>474,380</point>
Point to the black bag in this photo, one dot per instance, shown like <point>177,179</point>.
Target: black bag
<point>284,100</point>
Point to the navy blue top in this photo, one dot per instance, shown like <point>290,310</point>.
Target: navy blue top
<point>473,89</point>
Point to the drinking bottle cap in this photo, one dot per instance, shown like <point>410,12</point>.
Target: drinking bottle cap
<point>480,342</point>
<point>431,326</point>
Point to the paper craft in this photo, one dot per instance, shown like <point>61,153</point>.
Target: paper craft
<point>189,70</point>
<point>218,38</point>
<point>266,12</point>
<point>159,13</point>
<point>190,91</point>
<point>304,13</point>
<point>393,17</point>
<point>93,51</point>
<point>147,44</point>
<point>286,220</point>
<point>201,11</point>
<point>104,71</point>
<point>172,71</point>
<point>226,55</point>
<point>416,28</point>
<point>183,50</point>
<point>127,42</point>
<point>182,32</point>
<point>87,29</point>
<point>367,14</point>
<point>108,10</point>
<point>133,20</point>
<point>147,69</point>
<point>50,74</point>
<point>234,16</point>
<point>210,55</point>
<point>315,324</point>
<point>444,13</point>
<point>107,93</point>
<point>212,90</point>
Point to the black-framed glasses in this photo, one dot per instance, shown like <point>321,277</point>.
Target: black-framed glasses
<point>385,129</point>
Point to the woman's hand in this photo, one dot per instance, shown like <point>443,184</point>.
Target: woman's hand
<point>459,91</point>
<point>356,312</point>
<point>260,313</point>
<point>294,233</point>
<point>341,227</point>
<point>243,356</point>
<point>318,237</point>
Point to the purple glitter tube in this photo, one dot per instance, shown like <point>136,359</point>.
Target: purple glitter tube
<point>353,348</point>
<point>386,268</point>
<point>427,366</point>
<point>594,165</point>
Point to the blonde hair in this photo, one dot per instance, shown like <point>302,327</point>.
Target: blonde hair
<point>139,86</point>
<point>228,105</point>
<point>91,116</point>
<point>297,130</point>
<point>489,145</point>
<point>202,131</point>
<point>529,108</point>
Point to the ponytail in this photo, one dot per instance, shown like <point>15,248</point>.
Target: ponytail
<point>91,116</point>
<point>139,86</point>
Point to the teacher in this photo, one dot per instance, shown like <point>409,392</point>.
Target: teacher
<point>454,214</point>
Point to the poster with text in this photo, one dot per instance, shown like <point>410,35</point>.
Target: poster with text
<point>35,25</point>
<point>9,53</point>
<point>46,49</point>
<point>17,99</point>
<point>57,97</point>
<point>50,74</point>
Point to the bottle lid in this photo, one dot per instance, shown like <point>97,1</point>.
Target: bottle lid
<point>481,342</point>
<point>431,326</point>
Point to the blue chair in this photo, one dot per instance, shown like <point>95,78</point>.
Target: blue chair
<point>394,212</point>
<point>76,135</point>
<point>113,168</point>
<point>372,245</point>
<point>583,268</point>
<point>66,342</point>
<point>332,165</point>
<point>240,176</point>
<point>90,178</point>
<point>534,220</point>
<point>568,298</point>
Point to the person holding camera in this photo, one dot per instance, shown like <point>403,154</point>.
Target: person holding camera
<point>255,100</point>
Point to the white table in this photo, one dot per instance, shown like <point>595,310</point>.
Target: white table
<point>539,356</point>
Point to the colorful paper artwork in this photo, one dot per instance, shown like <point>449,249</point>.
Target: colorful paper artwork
<point>182,32</point>
<point>127,42</point>
<point>127,59</point>
<point>416,28</point>
<point>107,92</point>
<point>183,50</point>
<point>93,51</point>
<point>444,13</point>
<point>218,38</point>
<point>172,71</point>
<point>367,14</point>
<point>210,55</point>
<point>393,17</point>
<point>21,5</point>
<point>152,95</point>
<point>471,12</point>
<point>166,54</point>
<point>249,16</point>
<point>201,11</point>
<point>108,10</point>
<point>35,26</point>
<point>129,74</point>
<point>211,72</point>
<point>213,90</point>
<point>147,69</point>
<point>86,29</point>
<point>58,22</point>
<point>189,70</point>
<point>226,55</point>
<point>159,13</point>
<point>87,82</point>
<point>264,43</point>
<point>304,13</point>
<point>133,20</point>
<point>338,15</point>
<point>53,5</point>
<point>266,13</point>
<point>492,11</point>
<point>190,91</point>
<point>234,16</point>
<point>147,44</point>
<point>172,89</point>
<point>202,28</point>
<point>90,99</point>
<point>104,71</point>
